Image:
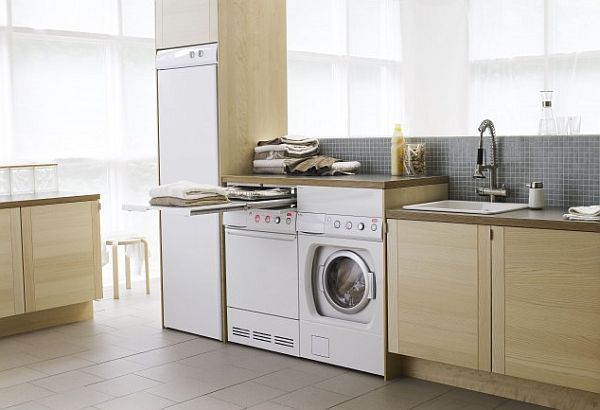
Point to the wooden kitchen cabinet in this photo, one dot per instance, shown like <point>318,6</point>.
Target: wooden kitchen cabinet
<point>439,303</point>
<point>546,306</point>
<point>61,254</point>
<point>185,22</point>
<point>12,300</point>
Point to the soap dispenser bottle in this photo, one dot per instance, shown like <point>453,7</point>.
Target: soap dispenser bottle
<point>397,151</point>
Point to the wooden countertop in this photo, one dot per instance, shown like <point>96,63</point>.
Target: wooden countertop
<point>46,198</point>
<point>551,218</point>
<point>347,181</point>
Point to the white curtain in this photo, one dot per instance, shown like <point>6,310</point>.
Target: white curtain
<point>77,85</point>
<point>456,62</point>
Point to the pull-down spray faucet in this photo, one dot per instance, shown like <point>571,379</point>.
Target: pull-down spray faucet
<point>493,190</point>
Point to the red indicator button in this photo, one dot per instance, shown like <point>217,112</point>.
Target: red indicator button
<point>257,218</point>
<point>267,219</point>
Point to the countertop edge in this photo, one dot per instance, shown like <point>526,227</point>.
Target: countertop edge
<point>14,201</point>
<point>504,219</point>
<point>354,182</point>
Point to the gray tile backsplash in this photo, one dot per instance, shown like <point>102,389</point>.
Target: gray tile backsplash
<point>569,166</point>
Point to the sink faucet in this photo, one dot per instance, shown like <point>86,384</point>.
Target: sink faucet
<point>493,190</point>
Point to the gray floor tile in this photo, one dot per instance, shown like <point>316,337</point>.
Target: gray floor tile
<point>124,385</point>
<point>183,389</point>
<point>311,398</point>
<point>136,401</point>
<point>67,381</point>
<point>458,399</point>
<point>74,399</point>
<point>21,393</point>
<point>247,394</point>
<point>205,403</point>
<point>352,384</point>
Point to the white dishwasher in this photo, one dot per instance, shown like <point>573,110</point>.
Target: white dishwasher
<point>261,270</point>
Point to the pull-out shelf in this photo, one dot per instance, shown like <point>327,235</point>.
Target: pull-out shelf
<point>235,205</point>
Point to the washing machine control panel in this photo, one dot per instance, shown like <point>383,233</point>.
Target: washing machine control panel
<point>354,226</point>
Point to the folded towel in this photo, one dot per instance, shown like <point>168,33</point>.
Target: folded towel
<point>285,150</point>
<point>267,170</point>
<point>573,217</point>
<point>349,167</point>
<point>593,210</point>
<point>289,139</point>
<point>187,190</point>
<point>172,201</point>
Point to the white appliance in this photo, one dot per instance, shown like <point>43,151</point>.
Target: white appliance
<point>262,279</point>
<point>188,150</point>
<point>342,280</point>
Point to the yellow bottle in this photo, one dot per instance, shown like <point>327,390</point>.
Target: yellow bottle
<point>397,153</point>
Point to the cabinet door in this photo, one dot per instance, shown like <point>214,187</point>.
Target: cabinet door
<point>61,254</point>
<point>185,22</point>
<point>546,306</point>
<point>12,300</point>
<point>439,304</point>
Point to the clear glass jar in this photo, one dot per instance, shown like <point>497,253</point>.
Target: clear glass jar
<point>547,124</point>
<point>46,178</point>
<point>22,180</point>
<point>4,181</point>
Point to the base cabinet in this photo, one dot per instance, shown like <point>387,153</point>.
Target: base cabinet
<point>547,306</point>
<point>438,288</point>
<point>11,265</point>
<point>521,302</point>
<point>60,254</point>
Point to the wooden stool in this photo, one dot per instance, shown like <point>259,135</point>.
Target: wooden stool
<point>114,243</point>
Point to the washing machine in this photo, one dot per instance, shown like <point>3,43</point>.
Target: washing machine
<point>342,290</point>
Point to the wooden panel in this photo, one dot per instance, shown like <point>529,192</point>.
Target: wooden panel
<point>11,263</point>
<point>58,249</point>
<point>498,300</point>
<point>396,198</point>
<point>252,79</point>
<point>552,307</point>
<point>185,23</point>
<point>98,288</point>
<point>484,251</point>
<point>436,292</point>
<point>46,318</point>
<point>50,198</point>
<point>555,397</point>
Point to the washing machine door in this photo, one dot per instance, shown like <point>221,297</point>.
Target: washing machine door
<point>346,281</point>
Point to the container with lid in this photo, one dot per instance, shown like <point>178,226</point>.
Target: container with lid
<point>536,195</point>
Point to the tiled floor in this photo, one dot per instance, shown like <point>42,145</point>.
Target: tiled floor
<point>125,360</point>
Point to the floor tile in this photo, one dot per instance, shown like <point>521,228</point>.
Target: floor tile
<point>114,368</point>
<point>320,369</point>
<point>10,360</point>
<point>352,384</point>
<point>518,405</point>
<point>60,365</point>
<point>403,394</point>
<point>247,394</point>
<point>311,398</point>
<point>269,405</point>
<point>19,375</point>
<point>458,399</point>
<point>205,403</point>
<point>124,385</point>
<point>170,372</point>
<point>67,381</point>
<point>268,364</point>
<point>105,354</point>
<point>175,352</point>
<point>136,401</point>
<point>290,379</point>
<point>28,406</point>
<point>74,399</point>
<point>21,393</point>
<point>183,389</point>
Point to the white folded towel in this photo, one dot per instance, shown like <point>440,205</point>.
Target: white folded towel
<point>584,213</point>
<point>187,190</point>
<point>299,140</point>
<point>346,166</point>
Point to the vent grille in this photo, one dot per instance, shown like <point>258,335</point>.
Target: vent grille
<point>238,331</point>
<point>261,336</point>
<point>284,341</point>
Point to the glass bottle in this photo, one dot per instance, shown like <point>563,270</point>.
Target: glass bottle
<point>547,120</point>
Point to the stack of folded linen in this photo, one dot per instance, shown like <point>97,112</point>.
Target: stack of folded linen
<point>185,193</point>
<point>584,213</point>
<point>298,156</point>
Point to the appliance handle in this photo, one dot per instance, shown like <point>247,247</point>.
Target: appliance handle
<point>371,278</point>
<point>305,233</point>
<point>321,278</point>
<point>262,235</point>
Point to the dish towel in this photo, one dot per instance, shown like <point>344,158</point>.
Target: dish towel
<point>186,193</point>
<point>583,213</point>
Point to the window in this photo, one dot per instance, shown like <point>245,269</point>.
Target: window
<point>344,71</point>
<point>518,48</point>
<point>78,87</point>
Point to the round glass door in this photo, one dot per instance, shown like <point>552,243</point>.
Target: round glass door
<point>345,281</point>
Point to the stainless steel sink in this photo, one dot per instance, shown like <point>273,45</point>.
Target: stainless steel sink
<point>467,207</point>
